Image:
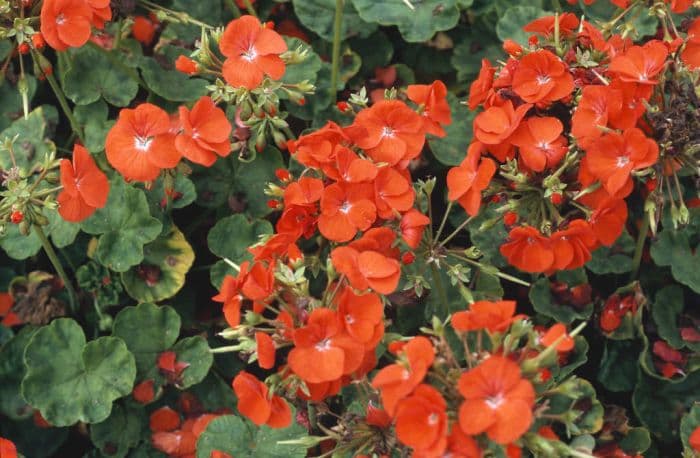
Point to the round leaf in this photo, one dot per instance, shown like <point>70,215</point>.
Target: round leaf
<point>195,352</point>
<point>162,273</point>
<point>69,380</point>
<point>510,25</point>
<point>120,432</point>
<point>452,149</point>
<point>125,225</point>
<point>542,300</point>
<point>318,16</point>
<point>147,330</point>
<point>11,373</point>
<point>415,24</point>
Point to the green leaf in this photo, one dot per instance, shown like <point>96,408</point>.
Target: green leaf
<point>545,303</point>
<point>147,330</point>
<point>232,435</point>
<point>318,16</point>
<point>303,71</point>
<point>636,441</point>
<point>672,248</point>
<point>120,432</point>
<point>637,22</point>
<point>32,440</point>
<point>618,366</point>
<point>18,246</point>
<point>94,118</point>
<point>689,423</point>
<point>169,83</point>
<point>207,11</point>
<point>667,306</point>
<point>162,273</point>
<point>69,380</point>
<point>659,404</point>
<point>195,352</point>
<point>376,50</point>
<point>32,137</point>
<point>579,393</point>
<point>616,259</point>
<point>230,238</point>
<point>250,179</point>
<point>452,149</point>
<point>510,25</point>
<point>11,108</point>
<point>418,24</point>
<point>63,233</point>
<point>125,225</point>
<point>11,374</point>
<point>467,54</point>
<point>92,75</point>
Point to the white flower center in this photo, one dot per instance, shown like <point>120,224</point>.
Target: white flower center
<point>60,19</point>
<point>323,345</point>
<point>543,79</point>
<point>345,208</point>
<point>387,132</point>
<point>622,161</point>
<point>433,419</point>
<point>250,55</point>
<point>142,144</point>
<point>495,401</point>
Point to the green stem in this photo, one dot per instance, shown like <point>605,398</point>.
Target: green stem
<point>444,220</point>
<point>440,289</point>
<point>249,8</point>
<point>61,99</point>
<point>491,270</point>
<point>456,231</point>
<point>234,9</point>
<point>48,248</point>
<point>337,24</point>
<point>639,248</point>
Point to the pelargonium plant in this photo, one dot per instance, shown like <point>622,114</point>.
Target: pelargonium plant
<point>440,228</point>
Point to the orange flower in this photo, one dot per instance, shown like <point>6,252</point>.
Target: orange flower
<point>497,400</point>
<point>597,104</point>
<point>205,133</point>
<point>7,448</point>
<point>608,220</point>
<point>345,209</point>
<point>528,250</point>
<point>305,191</point>
<point>101,12</point>
<point>541,77</point>
<point>318,148</point>
<point>164,419</point>
<point>389,132</point>
<point>421,422</point>
<point>640,64</point>
<point>495,125</point>
<point>230,295</point>
<point>144,392</point>
<point>568,23</point>
<point>322,351</point>
<point>694,439</point>
<point>572,246</point>
<point>393,193</point>
<point>612,157</point>
<point>186,65</point>
<point>259,284</point>
<point>9,318</point>
<point>266,350</point>
<point>541,142</point>
<point>85,186</point>
<point>252,52</point>
<point>554,333</point>
<point>367,269</point>
<point>362,316</point>
<point>481,87</point>
<point>143,30</point>
<point>379,239</point>
<point>433,99</point>
<point>141,143</point>
<point>691,52</point>
<point>255,402</point>
<point>413,223</point>
<point>66,23</point>
<point>396,381</point>
<point>350,168</point>
<point>466,181</point>
<point>491,316</point>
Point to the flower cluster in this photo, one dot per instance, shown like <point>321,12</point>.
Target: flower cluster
<point>68,23</point>
<point>565,118</point>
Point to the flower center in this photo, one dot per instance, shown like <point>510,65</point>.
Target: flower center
<point>433,419</point>
<point>345,208</point>
<point>142,144</point>
<point>349,319</point>
<point>405,375</point>
<point>60,19</point>
<point>250,55</point>
<point>543,79</point>
<point>622,161</point>
<point>387,132</point>
<point>495,401</point>
<point>323,345</point>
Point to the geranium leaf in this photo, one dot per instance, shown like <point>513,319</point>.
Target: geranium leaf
<point>69,380</point>
<point>119,432</point>
<point>545,303</point>
<point>672,248</point>
<point>510,25</point>
<point>317,15</point>
<point>452,149</point>
<point>11,374</point>
<point>193,351</point>
<point>417,24</point>
<point>124,225</point>
<point>162,273</point>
